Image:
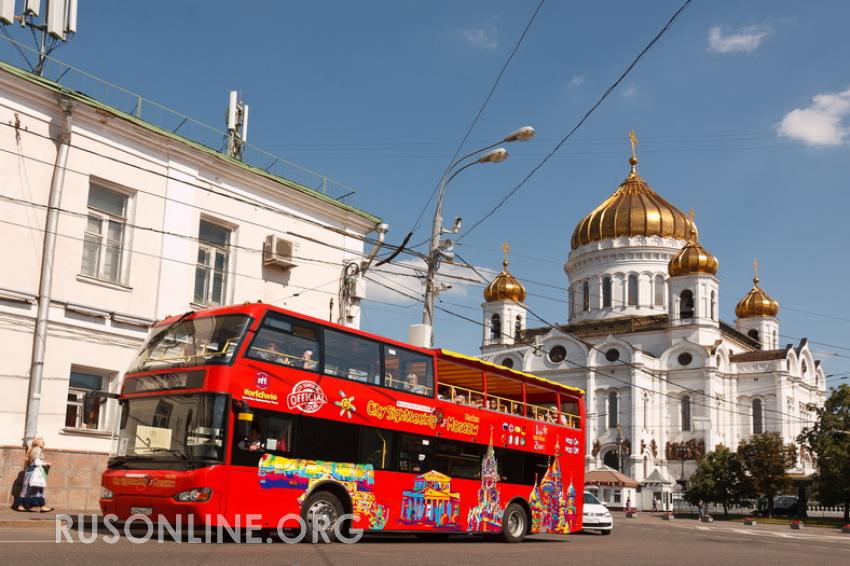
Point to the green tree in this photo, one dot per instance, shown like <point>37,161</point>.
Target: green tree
<point>766,460</point>
<point>829,441</point>
<point>720,478</point>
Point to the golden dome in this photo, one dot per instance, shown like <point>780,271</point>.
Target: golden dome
<point>505,287</point>
<point>756,303</point>
<point>633,210</point>
<point>692,259</point>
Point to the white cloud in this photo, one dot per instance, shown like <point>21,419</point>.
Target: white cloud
<point>577,80</point>
<point>742,39</point>
<point>484,36</point>
<point>631,91</point>
<point>824,122</point>
<point>401,276</point>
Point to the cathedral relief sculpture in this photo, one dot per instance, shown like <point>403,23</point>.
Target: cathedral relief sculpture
<point>597,446</point>
<point>692,449</point>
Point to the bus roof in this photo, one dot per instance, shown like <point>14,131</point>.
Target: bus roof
<point>529,377</point>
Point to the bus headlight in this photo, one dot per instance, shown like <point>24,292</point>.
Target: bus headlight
<point>106,493</point>
<point>197,495</point>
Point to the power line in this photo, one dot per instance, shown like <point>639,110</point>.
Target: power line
<point>603,374</point>
<point>480,112</point>
<point>584,118</point>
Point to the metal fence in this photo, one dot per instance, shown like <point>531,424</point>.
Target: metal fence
<point>178,123</point>
<point>813,509</point>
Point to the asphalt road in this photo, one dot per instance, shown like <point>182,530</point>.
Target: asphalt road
<point>646,540</point>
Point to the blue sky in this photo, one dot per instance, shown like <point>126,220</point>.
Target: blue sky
<point>742,111</point>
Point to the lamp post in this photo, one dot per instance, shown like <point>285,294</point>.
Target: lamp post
<point>442,249</point>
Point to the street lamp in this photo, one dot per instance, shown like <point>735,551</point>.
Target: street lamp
<point>442,249</point>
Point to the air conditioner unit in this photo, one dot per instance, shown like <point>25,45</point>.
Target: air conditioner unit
<point>279,252</point>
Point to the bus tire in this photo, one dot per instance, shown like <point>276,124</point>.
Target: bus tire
<point>514,523</point>
<point>322,507</point>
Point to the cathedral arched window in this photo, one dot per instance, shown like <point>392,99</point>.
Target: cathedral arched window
<point>713,306</point>
<point>686,413</point>
<point>585,296</point>
<point>495,328</point>
<point>606,291</point>
<point>758,426</point>
<point>659,291</point>
<point>686,304</point>
<point>753,333</point>
<point>633,289</point>
<point>803,368</point>
<point>517,327</point>
<point>572,294</point>
<point>613,410</point>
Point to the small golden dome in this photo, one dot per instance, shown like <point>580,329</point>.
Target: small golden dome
<point>692,259</point>
<point>756,303</point>
<point>633,210</point>
<point>505,287</point>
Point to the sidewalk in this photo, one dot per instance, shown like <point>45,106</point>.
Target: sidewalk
<point>10,517</point>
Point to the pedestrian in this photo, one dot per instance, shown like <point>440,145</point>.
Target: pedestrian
<point>701,509</point>
<point>654,504</point>
<point>628,505</point>
<point>35,480</point>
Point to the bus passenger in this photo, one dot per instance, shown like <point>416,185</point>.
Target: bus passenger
<point>253,442</point>
<point>308,361</point>
<point>413,386</point>
<point>270,353</point>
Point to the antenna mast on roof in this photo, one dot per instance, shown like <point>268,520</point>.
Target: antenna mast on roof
<point>237,125</point>
<point>57,24</point>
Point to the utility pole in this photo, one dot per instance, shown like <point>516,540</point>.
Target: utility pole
<point>39,345</point>
<point>351,282</point>
<point>58,24</point>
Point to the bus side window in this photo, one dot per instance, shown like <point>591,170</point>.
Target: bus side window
<point>286,341</point>
<point>415,454</point>
<point>278,434</point>
<point>535,467</point>
<point>351,357</point>
<point>408,371</point>
<point>458,459</point>
<point>376,448</point>
<point>511,465</point>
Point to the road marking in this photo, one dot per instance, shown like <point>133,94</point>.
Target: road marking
<point>27,541</point>
<point>703,528</point>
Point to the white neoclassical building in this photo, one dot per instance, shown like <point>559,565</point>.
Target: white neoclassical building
<point>148,224</point>
<point>666,379</point>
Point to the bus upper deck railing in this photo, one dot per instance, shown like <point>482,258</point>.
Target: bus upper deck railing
<point>477,399</point>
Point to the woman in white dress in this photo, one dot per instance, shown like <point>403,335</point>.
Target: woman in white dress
<point>35,480</point>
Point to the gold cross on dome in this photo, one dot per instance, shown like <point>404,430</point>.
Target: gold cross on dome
<point>634,141</point>
<point>756,268</point>
<point>506,248</point>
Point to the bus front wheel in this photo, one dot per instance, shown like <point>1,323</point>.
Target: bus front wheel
<point>321,513</point>
<point>514,523</point>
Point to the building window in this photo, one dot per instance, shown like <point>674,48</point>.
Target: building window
<point>103,242</point>
<point>612,355</point>
<point>645,413</point>
<point>508,362</point>
<point>606,291</point>
<point>557,354</point>
<point>495,327</point>
<point>572,296</point>
<point>803,368</point>
<point>659,291</point>
<point>713,306</point>
<point>753,333</point>
<point>685,359</point>
<point>758,425</point>
<point>613,410</point>
<point>82,411</point>
<point>686,413</point>
<point>686,304</point>
<point>633,289</point>
<point>585,296</point>
<point>517,327</point>
<point>211,270</point>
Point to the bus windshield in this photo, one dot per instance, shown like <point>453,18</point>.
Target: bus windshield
<point>180,430</point>
<point>203,340</point>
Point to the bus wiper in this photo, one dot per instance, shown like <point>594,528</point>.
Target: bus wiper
<point>179,453</point>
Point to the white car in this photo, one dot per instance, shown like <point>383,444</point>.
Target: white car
<point>596,517</point>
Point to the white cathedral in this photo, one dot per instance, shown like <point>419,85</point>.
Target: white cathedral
<point>666,380</point>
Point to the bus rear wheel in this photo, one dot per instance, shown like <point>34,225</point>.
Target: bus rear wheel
<point>321,513</point>
<point>514,523</point>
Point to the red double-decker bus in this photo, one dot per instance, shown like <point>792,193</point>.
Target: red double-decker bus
<point>252,409</point>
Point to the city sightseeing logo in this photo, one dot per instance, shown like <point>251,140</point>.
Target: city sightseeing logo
<point>262,381</point>
<point>307,397</point>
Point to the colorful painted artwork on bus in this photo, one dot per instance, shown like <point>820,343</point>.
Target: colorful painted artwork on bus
<point>571,506</point>
<point>487,515</point>
<point>357,479</point>
<point>431,502</point>
<point>547,501</point>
